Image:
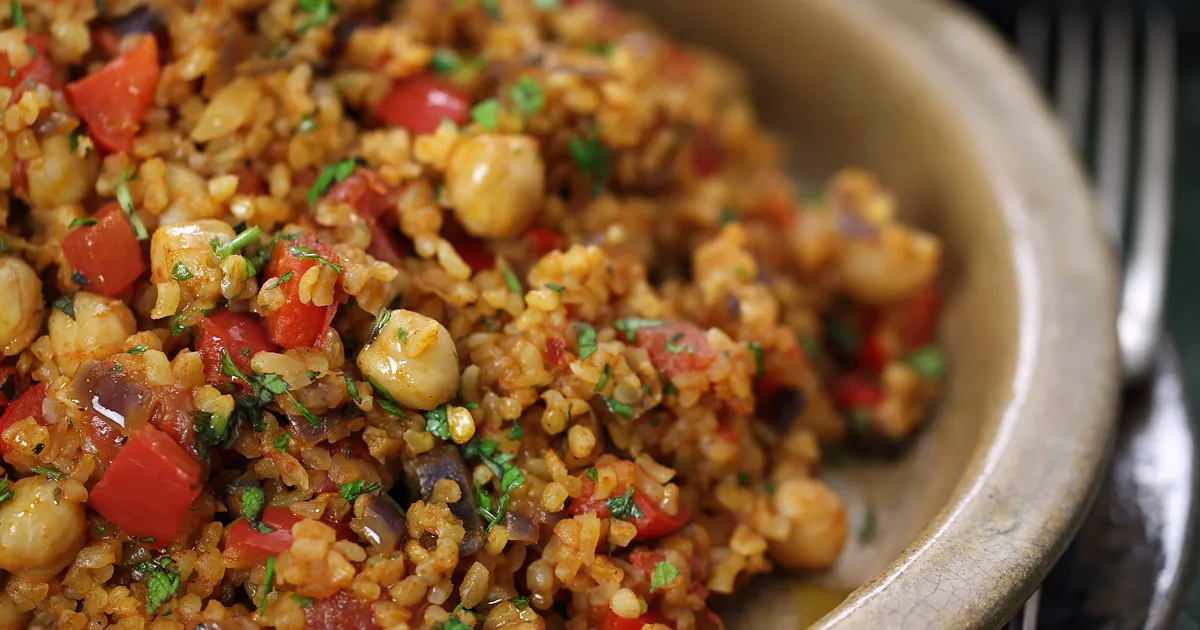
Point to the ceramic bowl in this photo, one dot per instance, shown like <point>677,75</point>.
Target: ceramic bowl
<point>974,513</point>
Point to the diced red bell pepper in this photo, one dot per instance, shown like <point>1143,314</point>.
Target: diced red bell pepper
<point>873,354</point>
<point>544,241</point>
<point>653,522</point>
<point>366,192</point>
<point>149,487</point>
<point>106,253</point>
<point>921,316</point>
<point>555,347</point>
<point>27,405</point>
<point>475,253</point>
<point>421,103</point>
<point>296,324</point>
<point>114,99</point>
<point>239,334</point>
<point>39,70</point>
<point>248,544</point>
<point>613,621</point>
<point>342,610</point>
<point>706,159</point>
<point>676,348</point>
<point>855,391</point>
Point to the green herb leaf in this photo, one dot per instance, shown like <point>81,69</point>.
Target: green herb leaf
<point>319,13</point>
<point>487,114</point>
<point>253,502</point>
<point>268,581</point>
<point>280,442</point>
<point>125,200</point>
<point>6,493</point>
<point>381,320</point>
<point>334,172</point>
<point>592,157</point>
<point>81,222</point>
<point>304,252</point>
<point>401,335</point>
<point>843,337</point>
<point>274,284</point>
<point>619,408</point>
<point>511,281</point>
<point>630,325</point>
<point>445,61</point>
<point>743,479</point>
<point>351,490</point>
<point>928,362</point>
<point>308,415</point>
<point>726,217</point>
<point>177,325</point>
<point>664,574</point>
<point>18,16</point>
<point>623,507</point>
<point>249,235</point>
<point>674,347</point>
<point>515,432</point>
<point>866,529</point>
<point>604,376</point>
<point>592,474</point>
<point>308,124</point>
<point>528,96</point>
<point>351,388</point>
<point>437,422</point>
<point>385,400</point>
<point>78,278</point>
<point>557,288</point>
<point>162,580</point>
<point>180,272</point>
<point>66,304</point>
<point>520,602</point>
<point>759,359</point>
<point>301,601</point>
<point>585,335</point>
<point>451,624</point>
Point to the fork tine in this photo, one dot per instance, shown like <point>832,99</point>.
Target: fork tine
<point>1033,40</point>
<point>1074,72</point>
<point>1116,89</point>
<point>1142,297</point>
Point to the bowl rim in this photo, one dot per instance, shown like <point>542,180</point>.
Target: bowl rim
<point>964,570</point>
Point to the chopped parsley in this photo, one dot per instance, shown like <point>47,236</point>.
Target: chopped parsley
<point>511,281</point>
<point>353,489</point>
<point>265,387</point>
<point>73,138</point>
<point>280,442</point>
<point>604,376</point>
<point>500,464</point>
<point>487,114</point>
<point>866,529</point>
<point>308,123</point>
<point>520,602</point>
<point>726,217</point>
<point>664,574</point>
<point>928,362</point>
<point>452,623</point>
<point>142,539</point>
<point>210,429</point>
<point>674,347</point>
<point>180,272</point>
<point>381,320</point>
<point>861,419</point>
<point>557,288</point>
<point>304,252</point>
<point>437,422</point>
<point>585,335</point>
<point>445,61</point>
<point>235,245</point>
<point>527,95</point>
<point>78,278</point>
<point>351,388</point>
<point>759,359</point>
<point>401,335</point>
<point>66,304</point>
<point>630,325</point>
<point>515,432</point>
<point>268,581</point>
<point>385,400</point>
<point>138,349</point>
<point>338,171</point>
<point>177,325</point>
<point>319,13</point>
<point>252,504</point>
<point>274,284</point>
<point>18,16</point>
<point>80,222</point>
<point>623,507</point>
<point>6,493</point>
<point>592,157</point>
<point>618,407</point>
<point>125,200</point>
<point>162,580</point>
<point>301,601</point>
<point>592,474</point>
<point>743,479</point>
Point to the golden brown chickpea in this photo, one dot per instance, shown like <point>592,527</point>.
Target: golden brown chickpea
<point>413,358</point>
<point>99,328</point>
<point>818,524</point>
<point>22,308</point>
<point>39,533</point>
<point>496,183</point>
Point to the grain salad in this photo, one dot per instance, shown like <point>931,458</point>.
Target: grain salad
<point>449,314</point>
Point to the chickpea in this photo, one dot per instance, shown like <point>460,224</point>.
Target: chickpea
<point>818,524</point>
<point>99,329</point>
<point>183,253</point>
<point>413,359</point>
<point>39,536</point>
<point>496,183</point>
<point>58,176</point>
<point>890,268</point>
<point>22,308</point>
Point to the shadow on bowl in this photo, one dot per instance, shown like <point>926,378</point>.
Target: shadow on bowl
<point>973,514</point>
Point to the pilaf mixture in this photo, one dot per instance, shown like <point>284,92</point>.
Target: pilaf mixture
<point>451,314</point>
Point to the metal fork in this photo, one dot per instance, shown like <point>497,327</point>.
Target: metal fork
<point>1094,94</point>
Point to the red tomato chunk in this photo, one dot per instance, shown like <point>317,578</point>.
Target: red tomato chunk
<point>149,486</point>
<point>241,335</point>
<point>653,522</point>
<point>297,324</point>
<point>676,348</point>
<point>342,610</point>
<point>421,103</point>
<point>114,99</point>
<point>27,405</point>
<point>39,70</point>
<point>106,253</point>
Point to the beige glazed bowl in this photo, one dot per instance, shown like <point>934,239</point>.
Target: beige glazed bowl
<point>983,502</point>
